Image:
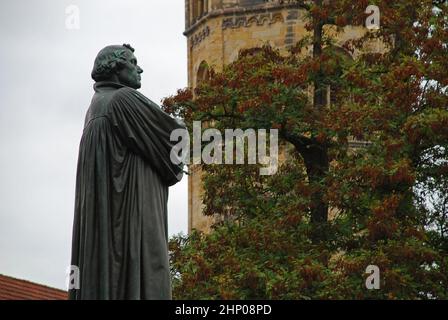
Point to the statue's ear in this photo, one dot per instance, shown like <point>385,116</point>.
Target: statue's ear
<point>114,67</point>
<point>117,64</point>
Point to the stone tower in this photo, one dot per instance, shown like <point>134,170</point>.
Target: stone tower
<point>216,31</point>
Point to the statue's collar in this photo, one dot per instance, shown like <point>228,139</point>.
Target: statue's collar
<point>107,85</point>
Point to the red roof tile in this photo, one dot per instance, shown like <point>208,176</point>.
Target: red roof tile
<point>15,289</point>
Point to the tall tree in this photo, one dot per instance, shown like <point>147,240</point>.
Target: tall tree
<point>388,198</point>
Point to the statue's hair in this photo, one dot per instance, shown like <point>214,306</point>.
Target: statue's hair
<point>109,60</point>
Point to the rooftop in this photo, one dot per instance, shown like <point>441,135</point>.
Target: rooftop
<point>16,289</point>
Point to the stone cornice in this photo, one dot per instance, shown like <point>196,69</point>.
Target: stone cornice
<point>264,8</point>
<point>258,19</point>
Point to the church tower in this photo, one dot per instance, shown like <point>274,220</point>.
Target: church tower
<point>216,31</point>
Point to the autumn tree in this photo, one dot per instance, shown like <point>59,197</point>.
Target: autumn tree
<point>388,198</point>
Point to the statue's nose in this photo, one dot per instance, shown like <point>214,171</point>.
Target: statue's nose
<point>140,70</point>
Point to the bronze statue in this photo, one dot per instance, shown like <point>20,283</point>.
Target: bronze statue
<point>120,232</point>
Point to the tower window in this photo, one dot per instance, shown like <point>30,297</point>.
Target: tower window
<point>203,73</point>
<point>199,9</point>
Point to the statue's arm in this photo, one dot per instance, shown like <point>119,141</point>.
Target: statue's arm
<point>145,129</point>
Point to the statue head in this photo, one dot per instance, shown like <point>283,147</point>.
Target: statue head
<point>118,64</point>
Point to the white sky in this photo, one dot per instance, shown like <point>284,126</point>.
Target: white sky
<point>45,90</point>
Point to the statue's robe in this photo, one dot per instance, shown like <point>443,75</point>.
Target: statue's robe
<point>120,232</point>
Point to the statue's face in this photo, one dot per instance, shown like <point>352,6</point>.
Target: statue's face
<point>129,75</point>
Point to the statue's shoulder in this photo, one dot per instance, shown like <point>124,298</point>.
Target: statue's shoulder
<point>132,95</point>
<point>126,98</point>
<point>122,97</point>
<point>124,92</point>
<point>129,94</point>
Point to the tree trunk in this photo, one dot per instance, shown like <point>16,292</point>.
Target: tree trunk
<point>316,154</point>
<point>317,165</point>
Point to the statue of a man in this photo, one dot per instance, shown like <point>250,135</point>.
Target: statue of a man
<point>120,232</point>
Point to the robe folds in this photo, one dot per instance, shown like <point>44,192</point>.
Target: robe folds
<point>120,231</point>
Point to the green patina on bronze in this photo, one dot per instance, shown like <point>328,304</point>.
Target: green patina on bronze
<point>120,229</point>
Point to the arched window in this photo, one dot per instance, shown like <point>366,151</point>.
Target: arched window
<point>340,56</point>
<point>203,72</point>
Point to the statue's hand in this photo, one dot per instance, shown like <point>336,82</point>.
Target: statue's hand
<point>180,121</point>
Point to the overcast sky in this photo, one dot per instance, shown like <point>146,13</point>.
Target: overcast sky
<point>45,90</point>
